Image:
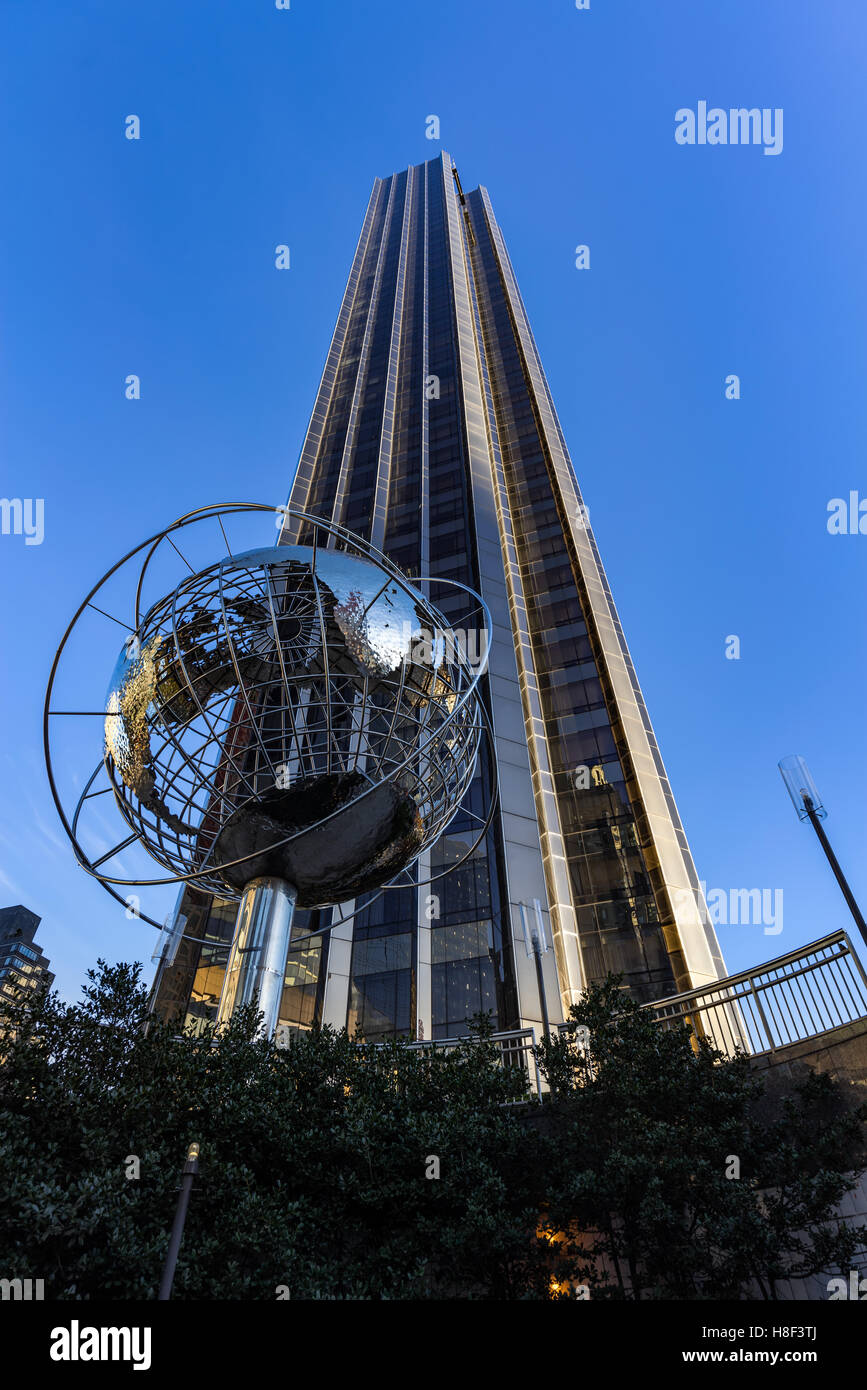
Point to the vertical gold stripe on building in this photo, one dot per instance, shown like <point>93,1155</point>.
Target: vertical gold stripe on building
<point>524,860</point>
<point>300,492</point>
<point>424,941</point>
<point>680,905</point>
<point>363,361</point>
<point>566,939</point>
<point>389,405</point>
<point>424,523</point>
<point>337,960</point>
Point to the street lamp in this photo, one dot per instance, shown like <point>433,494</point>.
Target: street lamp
<point>808,804</point>
<point>191,1168</point>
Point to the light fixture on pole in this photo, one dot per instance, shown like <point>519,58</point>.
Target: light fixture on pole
<point>808,804</point>
<point>191,1168</point>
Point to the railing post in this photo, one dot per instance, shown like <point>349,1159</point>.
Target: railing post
<point>854,955</point>
<point>536,1064</point>
<point>761,1012</point>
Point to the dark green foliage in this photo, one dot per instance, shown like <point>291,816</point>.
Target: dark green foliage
<point>314,1157</point>
<point>645,1127</point>
<point>312,1170</point>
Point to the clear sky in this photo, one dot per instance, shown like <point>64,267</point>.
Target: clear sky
<point>262,126</point>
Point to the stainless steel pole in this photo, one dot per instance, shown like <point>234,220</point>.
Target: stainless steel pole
<point>257,961</point>
<point>540,979</point>
<point>838,872</point>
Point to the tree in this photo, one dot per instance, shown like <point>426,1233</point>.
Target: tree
<point>315,1173</point>
<point>338,1170</point>
<point>675,1174</point>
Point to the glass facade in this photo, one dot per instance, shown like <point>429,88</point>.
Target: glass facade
<point>434,436</point>
<point>23,964</point>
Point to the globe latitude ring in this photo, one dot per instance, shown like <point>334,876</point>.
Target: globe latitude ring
<point>299,711</point>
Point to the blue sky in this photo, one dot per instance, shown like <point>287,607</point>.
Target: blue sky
<point>261,127</point>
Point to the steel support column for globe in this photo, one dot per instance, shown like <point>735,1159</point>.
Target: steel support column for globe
<point>256,967</point>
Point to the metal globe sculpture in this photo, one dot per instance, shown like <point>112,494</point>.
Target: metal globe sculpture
<point>290,712</point>
<point>287,725</point>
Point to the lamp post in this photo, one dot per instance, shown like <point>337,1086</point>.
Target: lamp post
<point>191,1168</point>
<point>808,804</point>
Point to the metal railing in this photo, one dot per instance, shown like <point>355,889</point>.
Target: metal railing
<point>790,999</point>
<point>516,1049</point>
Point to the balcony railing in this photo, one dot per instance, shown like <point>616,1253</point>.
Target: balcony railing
<point>788,1000</point>
<point>516,1049</point>
<point>791,999</point>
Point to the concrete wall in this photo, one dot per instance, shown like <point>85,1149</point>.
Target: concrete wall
<point>842,1052</point>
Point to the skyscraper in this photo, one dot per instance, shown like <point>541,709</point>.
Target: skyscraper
<point>435,437</point>
<point>23,964</point>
